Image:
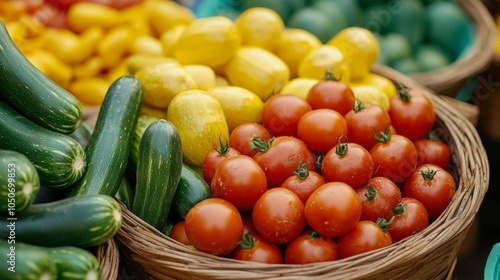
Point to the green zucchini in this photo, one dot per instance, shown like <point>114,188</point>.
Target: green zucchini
<point>109,146</point>
<point>142,123</point>
<point>59,159</point>
<point>34,94</point>
<point>159,166</point>
<point>82,133</point>
<point>20,261</point>
<point>19,182</point>
<point>192,189</point>
<point>81,221</point>
<point>75,263</point>
<point>125,193</point>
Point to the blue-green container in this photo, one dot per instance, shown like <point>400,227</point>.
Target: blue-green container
<point>492,268</point>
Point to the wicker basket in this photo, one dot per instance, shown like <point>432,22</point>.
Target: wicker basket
<point>450,79</point>
<point>109,258</point>
<point>430,254</point>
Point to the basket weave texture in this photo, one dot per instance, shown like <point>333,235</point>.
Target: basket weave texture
<point>109,258</point>
<point>448,80</point>
<point>429,254</point>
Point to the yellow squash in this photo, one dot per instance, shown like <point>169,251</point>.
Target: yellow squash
<point>257,70</point>
<point>200,119</point>
<point>239,105</point>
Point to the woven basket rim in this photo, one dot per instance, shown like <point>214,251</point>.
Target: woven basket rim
<point>109,259</point>
<point>436,247</point>
<point>477,59</point>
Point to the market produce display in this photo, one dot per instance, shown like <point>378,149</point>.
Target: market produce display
<point>237,143</point>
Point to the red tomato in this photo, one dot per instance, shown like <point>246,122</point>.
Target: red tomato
<point>239,180</point>
<point>433,152</point>
<point>242,135</point>
<point>378,198</point>
<point>410,217</point>
<point>303,183</point>
<point>281,114</point>
<point>178,233</point>
<point>311,247</point>
<point>248,223</point>
<point>412,113</point>
<point>62,4</point>
<point>214,226</point>
<point>364,237</point>
<point>117,4</point>
<point>254,248</point>
<point>278,216</point>
<point>51,16</point>
<point>330,94</point>
<point>394,157</point>
<point>433,186</point>
<point>281,157</point>
<point>364,121</point>
<point>333,209</point>
<point>214,158</point>
<point>321,129</point>
<point>349,163</point>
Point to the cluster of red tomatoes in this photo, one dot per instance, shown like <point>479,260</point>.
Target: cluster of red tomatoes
<point>322,179</point>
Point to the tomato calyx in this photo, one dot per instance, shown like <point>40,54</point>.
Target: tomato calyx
<point>319,162</point>
<point>371,193</point>
<point>383,136</point>
<point>223,147</point>
<point>358,105</point>
<point>432,135</point>
<point>383,224</point>
<point>302,171</point>
<point>341,148</point>
<point>428,174</point>
<point>314,235</point>
<point>329,76</point>
<point>247,242</point>
<point>259,145</point>
<point>400,209</point>
<point>404,94</point>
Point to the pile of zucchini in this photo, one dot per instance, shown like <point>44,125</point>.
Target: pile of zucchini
<point>61,179</point>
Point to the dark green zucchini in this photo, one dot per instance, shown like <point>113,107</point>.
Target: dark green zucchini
<point>125,193</point>
<point>159,166</point>
<point>19,182</point>
<point>32,93</point>
<point>142,124</point>
<point>59,159</point>
<point>109,146</point>
<point>82,133</point>
<point>75,263</point>
<point>20,261</point>
<point>81,221</point>
<point>192,189</point>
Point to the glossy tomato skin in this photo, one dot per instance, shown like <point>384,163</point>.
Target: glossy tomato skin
<point>178,233</point>
<point>333,209</point>
<point>410,217</point>
<point>281,114</point>
<point>303,187</point>
<point>311,247</point>
<point>329,94</point>
<point>239,180</point>
<point>214,226</point>
<point>413,118</point>
<point>321,129</point>
<point>283,156</point>
<point>379,196</point>
<point>364,123</point>
<point>242,135</point>
<point>278,216</point>
<point>213,159</point>
<point>396,159</point>
<point>254,248</point>
<point>433,152</point>
<point>435,194</point>
<point>364,237</point>
<point>349,163</point>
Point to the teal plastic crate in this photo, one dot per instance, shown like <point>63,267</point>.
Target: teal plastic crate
<point>492,268</point>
